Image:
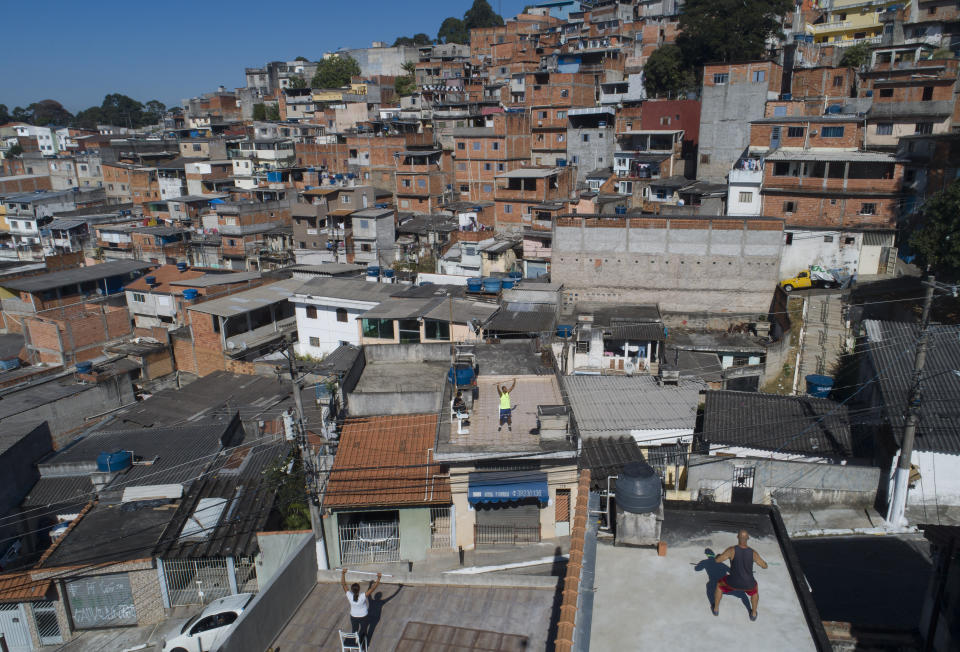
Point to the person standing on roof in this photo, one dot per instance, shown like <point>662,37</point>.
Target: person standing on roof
<point>359,605</point>
<point>740,578</point>
<point>505,407</point>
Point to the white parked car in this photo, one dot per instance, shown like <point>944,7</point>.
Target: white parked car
<point>209,628</point>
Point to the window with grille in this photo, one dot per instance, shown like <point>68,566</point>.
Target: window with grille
<point>720,78</point>
<point>746,197</point>
<point>923,128</point>
<point>832,132</point>
<point>795,132</point>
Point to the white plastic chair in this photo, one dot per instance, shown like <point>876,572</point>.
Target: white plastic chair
<point>350,642</point>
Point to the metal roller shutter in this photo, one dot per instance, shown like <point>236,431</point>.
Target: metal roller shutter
<point>104,601</point>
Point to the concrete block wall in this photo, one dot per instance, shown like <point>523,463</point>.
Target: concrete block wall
<point>696,265</point>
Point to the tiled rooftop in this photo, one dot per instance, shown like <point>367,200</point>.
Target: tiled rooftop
<point>382,461</point>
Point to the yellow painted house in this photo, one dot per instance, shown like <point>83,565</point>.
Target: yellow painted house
<point>851,21</point>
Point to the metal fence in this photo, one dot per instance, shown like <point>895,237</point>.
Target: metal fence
<point>370,543</point>
<point>48,627</point>
<point>498,534</point>
<point>440,530</point>
<point>201,581</point>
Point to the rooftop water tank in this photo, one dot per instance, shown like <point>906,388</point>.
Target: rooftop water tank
<point>474,285</point>
<point>464,373</point>
<point>151,280</point>
<point>373,270</point>
<point>388,273</point>
<point>492,284</point>
<point>190,294</point>
<point>115,461</point>
<point>638,489</point>
<point>819,386</point>
<point>84,367</point>
<point>181,267</point>
<point>564,330</point>
<point>516,275</point>
<point>508,283</point>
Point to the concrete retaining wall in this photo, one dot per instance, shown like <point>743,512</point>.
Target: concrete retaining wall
<point>271,609</point>
<point>439,352</point>
<point>788,484</point>
<point>371,404</point>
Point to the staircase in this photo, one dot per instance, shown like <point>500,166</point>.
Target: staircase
<point>824,336</point>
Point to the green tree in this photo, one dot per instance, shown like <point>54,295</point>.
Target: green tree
<point>14,151</point>
<point>667,72</point>
<point>452,30</point>
<point>298,82</point>
<point>729,30</point>
<point>291,489</point>
<point>302,59</point>
<point>154,111</point>
<point>49,112</point>
<point>934,235</point>
<point>415,41</point>
<point>273,112</point>
<point>259,111</point>
<point>122,111</point>
<point>89,118</point>
<point>407,84</point>
<point>856,56</point>
<point>20,114</point>
<point>481,14</point>
<point>335,71</point>
<point>4,114</point>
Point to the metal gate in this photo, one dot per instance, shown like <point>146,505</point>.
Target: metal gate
<point>45,615</point>
<point>103,601</point>
<point>372,542</point>
<point>13,626</point>
<point>196,581</point>
<point>440,518</point>
<point>742,490</point>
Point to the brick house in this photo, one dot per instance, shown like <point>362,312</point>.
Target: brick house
<point>421,180</point>
<point>517,193</point>
<point>74,333</point>
<point>481,153</point>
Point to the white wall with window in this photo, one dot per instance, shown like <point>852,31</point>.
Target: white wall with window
<point>324,323</point>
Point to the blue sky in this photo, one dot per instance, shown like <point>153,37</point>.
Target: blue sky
<point>77,52</point>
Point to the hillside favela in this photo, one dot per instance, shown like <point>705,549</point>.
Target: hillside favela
<point>469,326</point>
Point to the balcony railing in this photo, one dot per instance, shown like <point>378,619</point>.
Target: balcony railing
<point>501,534</point>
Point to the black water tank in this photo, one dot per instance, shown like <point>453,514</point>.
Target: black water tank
<point>638,488</point>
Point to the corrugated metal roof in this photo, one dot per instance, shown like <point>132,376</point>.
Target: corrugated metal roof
<point>524,318</point>
<point>804,425</point>
<point>249,300</point>
<point>72,490</point>
<point>621,404</point>
<point>891,348</point>
<point>606,456</point>
<point>77,275</point>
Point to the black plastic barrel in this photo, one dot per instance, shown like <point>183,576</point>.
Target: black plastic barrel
<point>638,488</point>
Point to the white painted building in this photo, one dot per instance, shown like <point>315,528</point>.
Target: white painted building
<point>327,310</point>
<point>744,183</point>
<point>854,252</point>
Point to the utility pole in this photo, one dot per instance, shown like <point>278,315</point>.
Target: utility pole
<point>898,502</point>
<point>301,441</point>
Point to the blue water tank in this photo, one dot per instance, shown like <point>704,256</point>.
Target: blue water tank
<point>115,461</point>
<point>190,294</point>
<point>786,97</point>
<point>508,283</point>
<point>492,284</point>
<point>516,276</point>
<point>7,365</point>
<point>619,210</point>
<point>819,386</point>
<point>84,367</point>
<point>388,273</point>
<point>151,280</point>
<point>833,109</point>
<point>474,285</point>
<point>373,270</point>
<point>464,373</point>
<point>564,330</point>
<point>181,267</point>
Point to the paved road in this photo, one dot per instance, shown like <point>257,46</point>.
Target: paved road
<point>867,580</point>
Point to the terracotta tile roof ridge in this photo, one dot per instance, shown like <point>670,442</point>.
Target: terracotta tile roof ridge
<point>567,622</point>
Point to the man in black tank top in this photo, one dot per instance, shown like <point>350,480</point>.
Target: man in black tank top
<point>740,577</point>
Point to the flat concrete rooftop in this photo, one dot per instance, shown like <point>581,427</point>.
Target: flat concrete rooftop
<point>507,614</point>
<point>401,376</point>
<point>646,602</point>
